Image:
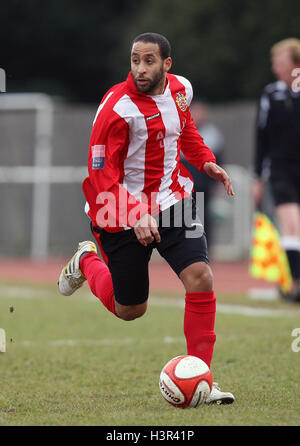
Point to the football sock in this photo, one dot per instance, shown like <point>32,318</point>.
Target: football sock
<point>199,324</point>
<point>292,249</point>
<point>294,261</point>
<point>99,279</point>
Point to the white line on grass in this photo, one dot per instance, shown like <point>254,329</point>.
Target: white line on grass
<point>225,308</point>
<point>101,342</point>
<point>27,292</point>
<point>23,292</point>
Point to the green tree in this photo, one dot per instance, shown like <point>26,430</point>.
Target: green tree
<point>78,49</point>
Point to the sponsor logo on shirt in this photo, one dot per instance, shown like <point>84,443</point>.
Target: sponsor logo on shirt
<point>98,157</point>
<point>181,101</point>
<point>152,117</point>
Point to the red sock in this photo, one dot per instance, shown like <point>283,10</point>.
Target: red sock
<point>99,279</point>
<point>199,324</point>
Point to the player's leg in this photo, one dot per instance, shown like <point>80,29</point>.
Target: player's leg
<point>100,282</point>
<point>200,310</point>
<point>126,273</point>
<point>187,256</point>
<point>285,186</point>
<point>199,321</point>
<point>288,215</point>
<point>86,265</point>
<point>128,262</point>
<point>184,247</point>
<point>197,277</point>
<point>122,286</point>
<point>130,312</point>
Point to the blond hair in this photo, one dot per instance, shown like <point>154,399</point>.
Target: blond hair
<point>291,44</point>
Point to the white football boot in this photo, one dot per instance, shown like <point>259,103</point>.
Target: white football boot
<point>216,396</point>
<point>71,278</point>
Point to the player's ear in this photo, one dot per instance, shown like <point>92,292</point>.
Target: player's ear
<point>167,64</point>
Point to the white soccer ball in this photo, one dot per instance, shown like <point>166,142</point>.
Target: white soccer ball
<point>185,381</point>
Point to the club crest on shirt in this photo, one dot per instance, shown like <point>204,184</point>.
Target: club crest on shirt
<point>181,101</point>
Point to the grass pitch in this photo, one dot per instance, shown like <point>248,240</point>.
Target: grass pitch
<point>69,362</point>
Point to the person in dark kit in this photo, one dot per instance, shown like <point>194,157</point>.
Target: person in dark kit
<point>277,154</point>
<point>213,137</point>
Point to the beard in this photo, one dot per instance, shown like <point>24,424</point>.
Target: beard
<point>152,84</point>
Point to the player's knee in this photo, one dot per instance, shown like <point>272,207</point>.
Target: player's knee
<point>203,279</point>
<point>129,313</point>
<point>198,277</point>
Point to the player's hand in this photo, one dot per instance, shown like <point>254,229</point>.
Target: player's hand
<point>146,230</point>
<point>257,192</point>
<point>217,173</point>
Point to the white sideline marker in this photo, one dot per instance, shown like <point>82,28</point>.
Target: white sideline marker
<point>2,341</point>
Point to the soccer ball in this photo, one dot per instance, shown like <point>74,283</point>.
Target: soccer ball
<point>185,381</point>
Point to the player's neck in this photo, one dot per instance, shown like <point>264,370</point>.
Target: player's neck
<point>160,88</point>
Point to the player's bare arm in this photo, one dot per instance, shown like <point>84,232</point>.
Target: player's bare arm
<point>217,173</point>
<point>146,230</point>
<point>258,191</point>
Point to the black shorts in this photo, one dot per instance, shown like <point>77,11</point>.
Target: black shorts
<point>285,184</point>
<point>183,242</point>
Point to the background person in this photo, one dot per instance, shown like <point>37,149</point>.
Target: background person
<point>277,154</point>
<point>202,182</point>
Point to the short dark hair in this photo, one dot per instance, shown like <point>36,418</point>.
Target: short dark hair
<point>161,41</point>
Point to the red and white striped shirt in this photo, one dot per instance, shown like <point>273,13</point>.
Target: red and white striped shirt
<point>134,154</point>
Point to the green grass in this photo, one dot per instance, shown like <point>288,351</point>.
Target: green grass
<point>69,362</point>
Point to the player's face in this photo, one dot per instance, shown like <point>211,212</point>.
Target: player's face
<point>148,68</point>
<point>282,66</point>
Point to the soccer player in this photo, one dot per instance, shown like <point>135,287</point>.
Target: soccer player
<point>139,198</point>
<point>278,150</point>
